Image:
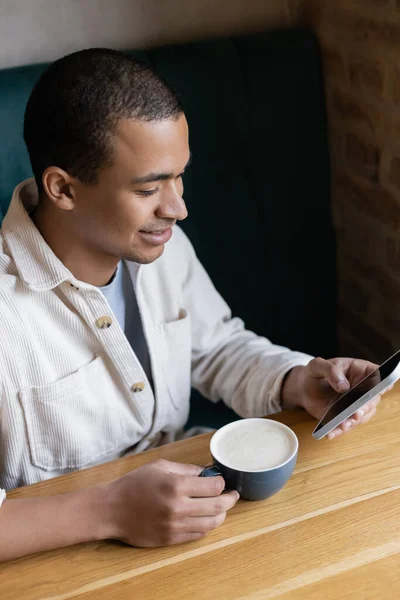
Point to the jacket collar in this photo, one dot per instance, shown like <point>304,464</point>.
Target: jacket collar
<point>37,265</point>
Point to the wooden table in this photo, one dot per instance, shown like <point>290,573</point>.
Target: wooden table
<point>333,532</point>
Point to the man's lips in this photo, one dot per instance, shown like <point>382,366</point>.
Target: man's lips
<point>158,237</point>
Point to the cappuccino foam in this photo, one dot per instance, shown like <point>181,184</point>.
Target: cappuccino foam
<point>254,445</point>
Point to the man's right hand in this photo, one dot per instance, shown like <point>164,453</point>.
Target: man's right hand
<point>164,503</point>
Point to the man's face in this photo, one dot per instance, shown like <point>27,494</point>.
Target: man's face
<point>131,209</point>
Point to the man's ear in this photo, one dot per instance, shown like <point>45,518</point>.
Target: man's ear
<point>59,187</point>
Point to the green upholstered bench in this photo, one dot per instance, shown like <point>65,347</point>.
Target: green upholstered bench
<point>258,188</point>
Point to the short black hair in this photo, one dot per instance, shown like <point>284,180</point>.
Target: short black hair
<point>75,107</point>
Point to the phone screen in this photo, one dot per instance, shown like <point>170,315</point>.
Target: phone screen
<point>361,388</point>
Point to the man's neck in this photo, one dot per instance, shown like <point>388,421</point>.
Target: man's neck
<point>85,263</point>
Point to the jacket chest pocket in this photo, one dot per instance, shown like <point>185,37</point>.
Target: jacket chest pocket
<point>177,361</point>
<point>76,420</point>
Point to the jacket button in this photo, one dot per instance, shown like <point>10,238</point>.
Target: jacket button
<point>138,387</point>
<point>104,322</point>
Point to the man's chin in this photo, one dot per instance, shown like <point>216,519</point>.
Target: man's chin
<point>145,257</point>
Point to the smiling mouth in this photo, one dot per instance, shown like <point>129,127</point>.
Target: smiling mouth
<point>156,237</point>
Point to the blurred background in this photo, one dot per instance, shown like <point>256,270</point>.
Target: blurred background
<point>360,41</point>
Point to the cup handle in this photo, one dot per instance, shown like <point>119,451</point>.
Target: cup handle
<point>210,471</point>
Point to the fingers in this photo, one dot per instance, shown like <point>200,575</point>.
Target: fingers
<point>203,524</point>
<point>210,507</point>
<point>193,529</point>
<point>337,372</point>
<point>359,418</point>
<point>195,526</point>
<point>351,423</point>
<point>179,468</point>
<point>185,480</point>
<point>370,367</point>
<point>339,430</point>
<point>201,487</point>
<point>320,368</point>
<point>360,368</point>
<point>359,415</point>
<point>368,416</point>
<point>194,518</point>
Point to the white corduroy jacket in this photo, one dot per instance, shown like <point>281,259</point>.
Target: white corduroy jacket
<point>72,392</point>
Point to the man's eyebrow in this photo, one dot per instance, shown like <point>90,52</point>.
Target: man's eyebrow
<point>158,176</point>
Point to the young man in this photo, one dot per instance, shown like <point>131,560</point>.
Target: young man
<point>105,326</point>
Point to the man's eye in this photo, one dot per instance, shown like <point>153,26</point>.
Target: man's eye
<point>148,192</point>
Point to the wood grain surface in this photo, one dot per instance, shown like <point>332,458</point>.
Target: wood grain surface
<point>332,533</point>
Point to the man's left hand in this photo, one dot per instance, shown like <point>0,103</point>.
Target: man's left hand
<point>316,386</point>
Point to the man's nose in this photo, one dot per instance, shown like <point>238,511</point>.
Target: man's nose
<point>172,205</point>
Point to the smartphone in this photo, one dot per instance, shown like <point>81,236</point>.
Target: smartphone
<point>346,405</point>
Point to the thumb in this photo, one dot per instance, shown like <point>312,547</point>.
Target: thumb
<point>320,368</point>
<point>183,469</point>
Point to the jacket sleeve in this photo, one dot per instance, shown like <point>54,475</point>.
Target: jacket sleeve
<point>230,363</point>
<point>2,492</point>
